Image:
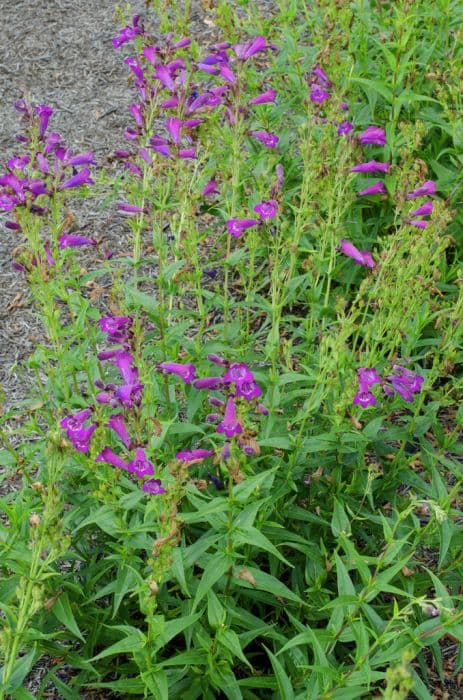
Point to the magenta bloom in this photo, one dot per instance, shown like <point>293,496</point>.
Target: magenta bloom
<point>264,97</point>
<point>238,372</point>
<point>373,135</point>
<point>173,126</point>
<point>209,383</point>
<point>248,390</point>
<point>428,187</point>
<point>372,166</point>
<point>107,455</point>
<point>141,466</point>
<point>163,74</point>
<point>127,33</point>
<point>86,158</point>
<point>377,188</point>
<point>318,94</point>
<point>321,76</point>
<point>364,398</point>
<point>153,487</point>
<point>210,188</point>
<point>116,423</point>
<point>361,257</point>
<point>267,209</point>
<point>82,178</point>
<point>419,223</point>
<point>76,420</point>
<point>187,372</point>
<point>67,240</point>
<point>126,208</point>
<point>268,138</point>
<point>403,382</point>
<point>237,226</point>
<point>244,51</point>
<point>194,455</point>
<point>424,210</point>
<point>187,153</point>
<point>230,425</point>
<point>117,327</point>
<point>44,113</point>
<point>368,376</point>
<point>345,127</point>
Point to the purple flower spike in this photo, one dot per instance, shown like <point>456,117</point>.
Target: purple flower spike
<point>364,398</point>
<point>82,178</point>
<point>345,127</point>
<point>44,113</point>
<point>110,457</point>
<point>372,166</point>
<point>237,226</point>
<point>267,209</point>
<point>268,138</point>
<point>264,97</point>
<point>373,135</point>
<point>187,372</point>
<point>425,209</point>
<point>153,487</point>
<point>230,425</point>
<point>141,466</point>
<point>428,187</point>
<point>210,188</point>
<point>318,94</point>
<point>377,188</point>
<point>116,422</point>
<point>69,241</point>
<point>194,455</point>
<point>361,257</point>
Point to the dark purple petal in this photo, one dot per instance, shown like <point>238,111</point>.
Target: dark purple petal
<point>107,455</point>
<point>187,371</point>
<point>116,423</point>
<point>141,466</point>
<point>68,240</point>
<point>373,135</point>
<point>81,178</point>
<point>153,487</point>
<point>230,425</point>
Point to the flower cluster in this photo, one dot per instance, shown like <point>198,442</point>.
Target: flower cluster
<point>402,381</point>
<point>372,136</point>
<point>236,382</point>
<point>426,209</point>
<point>319,93</point>
<point>126,396</point>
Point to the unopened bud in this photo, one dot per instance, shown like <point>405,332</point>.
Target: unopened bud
<point>34,520</point>
<point>154,588</point>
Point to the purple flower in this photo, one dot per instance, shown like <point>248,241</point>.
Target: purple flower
<point>116,423</point>
<point>268,138</point>
<point>420,223</point>
<point>428,187</point>
<point>244,51</point>
<point>264,97</point>
<point>217,360</point>
<point>261,408</point>
<point>141,466</point>
<point>225,452</point>
<point>76,420</point>
<point>194,455</point>
<point>403,382</point>
<point>227,73</point>
<point>238,372</point>
<point>318,94</point>
<point>364,398</point>
<point>82,178</point>
<point>127,33</point>
<point>44,113</point>
<point>209,383</point>
<point>368,376</point>
<point>210,188</point>
<point>377,188</point>
<point>187,372</point>
<point>80,437</point>
<point>110,457</point>
<point>276,187</point>
<point>237,226</point>
<point>160,145</point>
<point>267,209</point>
<point>117,327</point>
<point>361,257</point>
<point>424,210</point>
<point>187,153</point>
<point>248,390</point>
<point>126,208</point>
<point>345,127</point>
<point>86,158</point>
<point>136,113</point>
<point>230,425</point>
<point>372,166</point>
<point>153,487</point>
<point>162,73</point>
<point>173,126</point>
<point>18,162</point>
<point>373,135</point>
<point>67,240</point>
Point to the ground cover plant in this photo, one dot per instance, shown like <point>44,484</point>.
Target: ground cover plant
<point>240,461</point>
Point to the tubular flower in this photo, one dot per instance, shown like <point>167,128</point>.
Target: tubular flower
<point>372,166</point>
<point>116,423</point>
<point>237,226</point>
<point>268,138</point>
<point>267,209</point>
<point>361,257</point>
<point>428,187</point>
<point>424,210</point>
<point>374,136</point>
<point>230,425</point>
<point>187,372</point>
<point>194,455</point>
<point>141,466</point>
<point>153,486</point>
<point>377,188</point>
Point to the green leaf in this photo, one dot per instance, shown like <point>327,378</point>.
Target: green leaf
<point>63,612</point>
<point>134,642</point>
<point>340,523</point>
<point>252,536</point>
<point>229,639</point>
<point>266,582</point>
<point>217,566</point>
<point>284,684</point>
<point>124,686</point>
<point>21,668</point>
<point>376,86</point>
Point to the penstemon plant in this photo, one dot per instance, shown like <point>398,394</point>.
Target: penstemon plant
<point>240,462</point>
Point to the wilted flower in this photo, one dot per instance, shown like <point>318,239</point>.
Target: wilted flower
<point>373,135</point>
